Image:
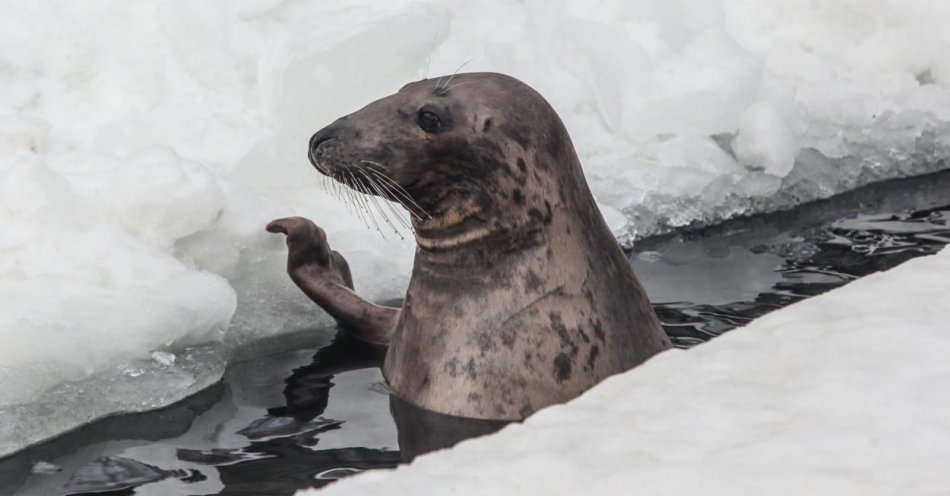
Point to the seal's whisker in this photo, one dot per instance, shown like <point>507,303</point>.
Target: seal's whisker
<point>387,193</point>
<point>463,83</point>
<point>360,201</point>
<point>386,215</point>
<point>396,213</point>
<point>331,186</point>
<point>358,185</point>
<point>376,195</point>
<point>377,164</point>
<point>343,192</point>
<point>385,196</point>
<point>352,196</point>
<point>395,188</point>
<point>441,89</point>
<point>366,188</point>
<point>401,200</point>
<point>382,212</point>
<point>399,190</point>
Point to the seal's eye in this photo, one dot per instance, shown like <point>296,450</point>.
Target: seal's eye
<point>429,122</point>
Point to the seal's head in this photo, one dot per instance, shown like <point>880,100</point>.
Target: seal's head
<point>472,151</point>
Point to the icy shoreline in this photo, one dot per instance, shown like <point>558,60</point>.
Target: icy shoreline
<point>842,393</point>
<point>129,387</point>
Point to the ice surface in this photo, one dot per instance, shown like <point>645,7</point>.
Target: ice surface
<point>843,394</point>
<point>143,145</point>
<point>129,385</point>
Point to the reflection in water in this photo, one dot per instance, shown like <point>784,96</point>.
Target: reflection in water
<point>281,457</point>
<point>422,431</point>
<point>116,475</point>
<point>419,430</point>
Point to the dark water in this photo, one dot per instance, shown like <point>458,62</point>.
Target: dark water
<point>704,283</point>
<point>304,418</point>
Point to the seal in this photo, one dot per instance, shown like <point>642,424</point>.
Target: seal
<point>520,297</point>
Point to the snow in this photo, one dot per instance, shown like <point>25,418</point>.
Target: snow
<point>144,145</point>
<point>844,393</point>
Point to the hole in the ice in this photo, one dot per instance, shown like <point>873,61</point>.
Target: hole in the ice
<point>267,430</point>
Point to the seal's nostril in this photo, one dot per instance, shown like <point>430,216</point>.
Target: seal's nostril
<point>322,136</point>
<point>315,142</point>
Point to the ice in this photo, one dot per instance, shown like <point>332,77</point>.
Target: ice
<point>164,358</point>
<point>42,467</point>
<point>111,389</point>
<point>841,393</point>
<point>765,142</point>
<point>144,145</point>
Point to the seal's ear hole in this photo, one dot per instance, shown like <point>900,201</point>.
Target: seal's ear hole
<point>429,121</point>
<point>486,125</point>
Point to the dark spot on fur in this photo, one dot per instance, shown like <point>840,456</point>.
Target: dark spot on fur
<point>506,394</point>
<point>522,166</point>
<point>485,343</point>
<point>562,367</point>
<point>588,295</point>
<point>474,397</point>
<point>526,410</point>
<point>517,196</point>
<point>486,125</point>
<point>599,330</point>
<point>535,215</point>
<point>470,369</point>
<point>532,282</point>
<point>451,367</point>
<point>592,357</point>
<point>538,217</point>
<point>508,337</point>
<point>562,332</point>
<point>557,323</point>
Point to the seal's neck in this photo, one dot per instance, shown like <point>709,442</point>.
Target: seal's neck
<point>452,242</point>
<point>441,236</point>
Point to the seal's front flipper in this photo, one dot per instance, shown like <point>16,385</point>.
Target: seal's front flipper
<point>324,276</point>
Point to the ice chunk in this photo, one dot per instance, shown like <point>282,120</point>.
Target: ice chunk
<point>164,358</point>
<point>765,141</point>
<point>42,467</point>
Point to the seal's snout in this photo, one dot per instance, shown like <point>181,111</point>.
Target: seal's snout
<point>322,136</point>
